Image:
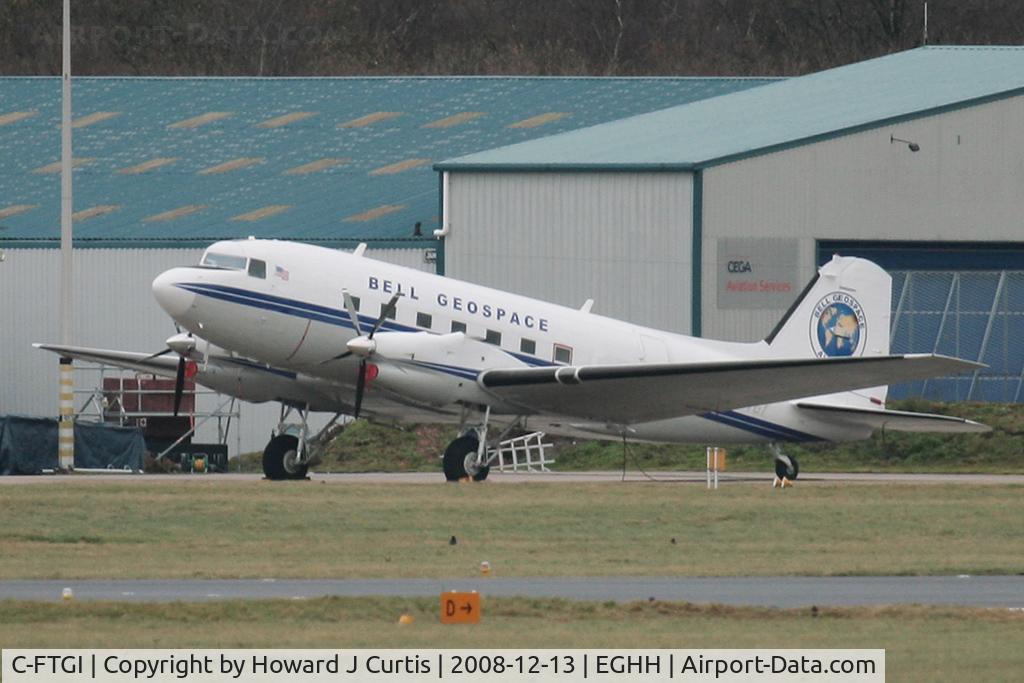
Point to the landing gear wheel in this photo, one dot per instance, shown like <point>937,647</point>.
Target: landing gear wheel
<point>477,473</point>
<point>786,467</point>
<point>279,459</point>
<point>457,455</point>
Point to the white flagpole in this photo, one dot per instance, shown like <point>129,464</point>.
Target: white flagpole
<point>66,433</point>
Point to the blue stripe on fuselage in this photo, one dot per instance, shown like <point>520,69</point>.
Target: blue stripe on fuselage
<point>769,430</point>
<point>331,316</point>
<point>292,307</point>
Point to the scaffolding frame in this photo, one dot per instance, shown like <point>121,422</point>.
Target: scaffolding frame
<point>228,409</point>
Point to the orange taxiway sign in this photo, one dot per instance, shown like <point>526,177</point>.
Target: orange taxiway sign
<point>460,608</point>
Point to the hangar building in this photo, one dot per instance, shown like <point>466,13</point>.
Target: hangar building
<point>708,218</point>
<point>165,166</point>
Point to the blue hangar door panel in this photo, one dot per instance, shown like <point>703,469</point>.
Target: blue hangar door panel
<point>961,299</point>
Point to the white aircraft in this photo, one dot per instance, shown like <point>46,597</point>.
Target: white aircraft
<point>324,330</point>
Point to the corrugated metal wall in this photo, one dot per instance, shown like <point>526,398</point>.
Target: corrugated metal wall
<point>965,183</point>
<point>622,239</point>
<point>114,308</point>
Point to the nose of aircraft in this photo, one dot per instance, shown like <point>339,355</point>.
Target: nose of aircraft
<point>172,298</point>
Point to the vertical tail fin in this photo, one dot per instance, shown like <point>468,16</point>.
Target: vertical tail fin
<point>843,311</point>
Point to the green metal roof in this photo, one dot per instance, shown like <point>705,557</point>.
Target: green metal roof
<point>178,161</point>
<point>785,113</point>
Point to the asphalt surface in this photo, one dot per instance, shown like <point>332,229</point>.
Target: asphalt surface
<point>789,591</point>
<point>519,478</point>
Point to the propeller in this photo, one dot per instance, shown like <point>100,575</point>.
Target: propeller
<point>364,346</point>
<point>182,345</point>
<point>179,384</point>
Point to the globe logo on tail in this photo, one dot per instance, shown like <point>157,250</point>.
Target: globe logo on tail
<point>837,326</point>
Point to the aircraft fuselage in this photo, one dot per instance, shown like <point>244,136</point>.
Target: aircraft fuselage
<point>281,304</point>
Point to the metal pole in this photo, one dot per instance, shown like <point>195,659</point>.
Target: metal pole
<point>66,432</point>
<point>924,37</point>
<point>988,331</point>
<point>899,310</point>
<point>953,285</point>
<point>707,454</point>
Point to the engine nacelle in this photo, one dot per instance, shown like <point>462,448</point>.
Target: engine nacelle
<point>256,384</point>
<point>425,386</point>
<point>436,369</point>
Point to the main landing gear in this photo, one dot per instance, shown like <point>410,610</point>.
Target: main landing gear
<point>468,456</point>
<point>291,452</point>
<point>461,458</point>
<point>786,466</point>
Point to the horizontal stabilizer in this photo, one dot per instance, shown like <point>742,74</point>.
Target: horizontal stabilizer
<point>165,366</point>
<point>899,420</point>
<point>625,394</point>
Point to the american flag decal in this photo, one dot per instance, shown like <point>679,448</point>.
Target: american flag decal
<point>281,273</point>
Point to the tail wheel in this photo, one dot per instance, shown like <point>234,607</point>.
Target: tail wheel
<point>456,456</point>
<point>786,467</point>
<point>280,459</point>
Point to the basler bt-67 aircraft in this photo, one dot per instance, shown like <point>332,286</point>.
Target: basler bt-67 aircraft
<point>323,330</point>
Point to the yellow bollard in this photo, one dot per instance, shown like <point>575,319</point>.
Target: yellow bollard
<point>67,595</point>
<point>485,568</point>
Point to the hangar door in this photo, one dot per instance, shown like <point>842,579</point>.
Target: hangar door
<point>956,299</point>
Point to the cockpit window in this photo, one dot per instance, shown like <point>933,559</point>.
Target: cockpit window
<point>258,268</point>
<point>216,260</point>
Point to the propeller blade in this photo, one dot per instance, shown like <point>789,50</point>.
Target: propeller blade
<point>179,385</point>
<point>360,388</point>
<point>389,309</point>
<point>338,357</point>
<point>158,354</point>
<point>353,314</point>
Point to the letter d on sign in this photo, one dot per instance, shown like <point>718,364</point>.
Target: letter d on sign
<point>460,608</point>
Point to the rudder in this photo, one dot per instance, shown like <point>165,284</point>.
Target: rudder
<point>843,311</point>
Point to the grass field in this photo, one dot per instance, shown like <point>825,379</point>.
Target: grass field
<point>922,644</point>
<point>204,529</point>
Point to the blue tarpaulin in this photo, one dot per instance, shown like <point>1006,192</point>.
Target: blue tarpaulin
<point>28,445</point>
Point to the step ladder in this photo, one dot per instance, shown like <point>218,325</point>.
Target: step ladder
<point>527,453</point>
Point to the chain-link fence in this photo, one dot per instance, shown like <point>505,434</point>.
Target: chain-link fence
<point>977,315</point>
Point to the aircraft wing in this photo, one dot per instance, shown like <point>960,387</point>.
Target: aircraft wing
<point>221,375</point>
<point>624,394</point>
<point>899,420</point>
<point>165,366</point>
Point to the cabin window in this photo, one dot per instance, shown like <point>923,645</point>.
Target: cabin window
<point>424,320</point>
<point>563,354</point>
<point>493,337</point>
<point>258,268</point>
<point>387,310</point>
<point>216,260</point>
<point>458,327</point>
<point>528,346</point>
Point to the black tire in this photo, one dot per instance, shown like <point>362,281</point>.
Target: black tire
<point>787,470</point>
<point>454,462</point>
<point>482,473</point>
<point>273,458</point>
